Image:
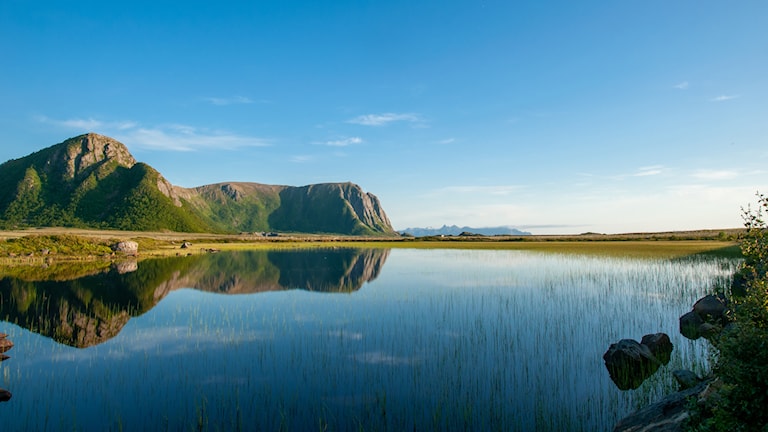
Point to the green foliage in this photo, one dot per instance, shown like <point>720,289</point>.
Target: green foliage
<point>55,244</point>
<point>742,365</point>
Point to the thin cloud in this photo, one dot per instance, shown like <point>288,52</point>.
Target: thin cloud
<point>385,119</point>
<point>177,137</point>
<point>715,175</point>
<point>723,98</point>
<point>682,86</point>
<point>486,190</point>
<point>302,158</point>
<point>344,142</point>
<point>447,141</point>
<point>187,138</point>
<point>234,100</point>
<point>648,171</point>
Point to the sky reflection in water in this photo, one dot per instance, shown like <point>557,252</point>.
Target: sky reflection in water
<point>442,339</point>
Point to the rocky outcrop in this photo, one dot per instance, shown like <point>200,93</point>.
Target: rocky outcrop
<point>629,362</point>
<point>667,415</point>
<point>366,206</point>
<point>81,154</point>
<point>706,319</point>
<point>686,379</point>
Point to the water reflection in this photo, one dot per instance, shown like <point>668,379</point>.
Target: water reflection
<point>85,304</point>
<point>441,340</point>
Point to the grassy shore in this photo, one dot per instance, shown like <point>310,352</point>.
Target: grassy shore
<point>26,246</point>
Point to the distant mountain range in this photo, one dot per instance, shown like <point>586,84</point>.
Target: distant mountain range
<point>93,181</point>
<point>455,230</point>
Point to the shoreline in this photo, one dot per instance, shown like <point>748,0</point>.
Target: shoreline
<point>159,244</point>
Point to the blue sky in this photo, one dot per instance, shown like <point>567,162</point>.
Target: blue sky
<point>553,117</point>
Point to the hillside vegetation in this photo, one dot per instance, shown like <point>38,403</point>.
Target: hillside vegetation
<point>92,181</point>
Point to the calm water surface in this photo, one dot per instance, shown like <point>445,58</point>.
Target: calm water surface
<point>342,339</point>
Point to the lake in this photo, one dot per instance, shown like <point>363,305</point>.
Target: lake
<point>341,339</point>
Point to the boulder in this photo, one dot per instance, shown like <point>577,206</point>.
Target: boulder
<point>689,325</point>
<point>3,357</point>
<point>708,330</point>
<point>686,379</point>
<point>186,245</point>
<point>660,346</point>
<point>710,308</point>
<point>5,345</point>
<point>629,363</point>
<point>126,247</point>
<point>5,395</point>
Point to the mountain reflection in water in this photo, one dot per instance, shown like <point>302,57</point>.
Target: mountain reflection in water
<point>85,304</point>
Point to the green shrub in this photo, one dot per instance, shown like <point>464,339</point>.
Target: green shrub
<point>742,364</point>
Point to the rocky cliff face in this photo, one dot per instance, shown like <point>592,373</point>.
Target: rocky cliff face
<point>366,206</point>
<point>78,155</point>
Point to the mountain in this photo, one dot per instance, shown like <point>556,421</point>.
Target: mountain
<point>455,230</point>
<point>93,181</point>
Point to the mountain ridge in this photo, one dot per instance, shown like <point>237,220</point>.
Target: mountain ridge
<point>456,230</point>
<point>93,181</point>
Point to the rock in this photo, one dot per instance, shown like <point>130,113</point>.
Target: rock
<point>660,346</point>
<point>5,345</point>
<point>5,395</point>
<point>629,363</point>
<point>186,245</point>
<point>689,325</point>
<point>3,335</point>
<point>670,414</point>
<point>124,267</point>
<point>686,378</point>
<point>710,308</point>
<point>3,357</point>
<point>126,247</point>
<point>708,330</point>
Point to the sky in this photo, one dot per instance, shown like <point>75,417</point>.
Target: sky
<point>549,116</point>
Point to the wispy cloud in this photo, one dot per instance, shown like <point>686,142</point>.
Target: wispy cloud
<point>682,86</point>
<point>176,137</point>
<point>187,138</point>
<point>715,174</point>
<point>486,190</point>
<point>447,141</point>
<point>385,119</point>
<point>723,98</point>
<point>344,142</point>
<point>233,100</point>
<point>302,158</point>
<point>648,171</point>
<point>87,124</point>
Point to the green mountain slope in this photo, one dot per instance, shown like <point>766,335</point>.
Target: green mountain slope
<point>93,181</point>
